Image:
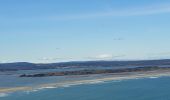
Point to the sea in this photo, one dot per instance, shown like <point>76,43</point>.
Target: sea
<point>151,88</point>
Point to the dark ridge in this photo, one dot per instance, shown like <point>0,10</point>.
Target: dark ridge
<point>87,64</point>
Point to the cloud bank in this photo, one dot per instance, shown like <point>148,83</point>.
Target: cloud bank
<point>105,57</point>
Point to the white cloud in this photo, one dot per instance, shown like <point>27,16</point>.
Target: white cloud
<point>105,57</point>
<point>54,58</point>
<point>48,59</point>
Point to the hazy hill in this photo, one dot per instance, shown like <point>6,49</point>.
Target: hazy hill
<point>34,66</point>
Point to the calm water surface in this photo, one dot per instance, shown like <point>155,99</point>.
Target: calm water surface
<point>134,89</point>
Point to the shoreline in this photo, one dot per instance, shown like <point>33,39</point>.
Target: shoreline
<point>105,78</point>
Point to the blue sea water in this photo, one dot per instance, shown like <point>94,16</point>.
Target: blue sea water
<point>133,89</point>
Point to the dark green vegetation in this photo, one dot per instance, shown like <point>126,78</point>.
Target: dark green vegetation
<point>97,71</point>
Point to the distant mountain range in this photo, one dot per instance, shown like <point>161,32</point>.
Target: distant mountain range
<point>77,64</point>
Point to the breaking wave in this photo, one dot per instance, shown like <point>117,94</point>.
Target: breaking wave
<point>3,94</point>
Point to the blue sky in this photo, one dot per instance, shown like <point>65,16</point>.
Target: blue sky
<point>68,30</point>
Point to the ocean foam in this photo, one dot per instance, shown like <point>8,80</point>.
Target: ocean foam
<point>66,85</point>
<point>3,95</point>
<point>42,88</point>
<point>70,84</point>
<point>153,77</point>
<point>37,89</point>
<point>96,82</point>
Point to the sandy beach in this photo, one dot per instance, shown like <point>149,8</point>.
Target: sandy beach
<point>104,78</point>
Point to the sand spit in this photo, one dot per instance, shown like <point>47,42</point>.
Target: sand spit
<point>109,77</point>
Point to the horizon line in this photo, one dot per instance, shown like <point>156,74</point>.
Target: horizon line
<point>82,61</point>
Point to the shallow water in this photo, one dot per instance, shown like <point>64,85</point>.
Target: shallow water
<point>133,89</point>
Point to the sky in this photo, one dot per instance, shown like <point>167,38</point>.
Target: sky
<point>45,31</point>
